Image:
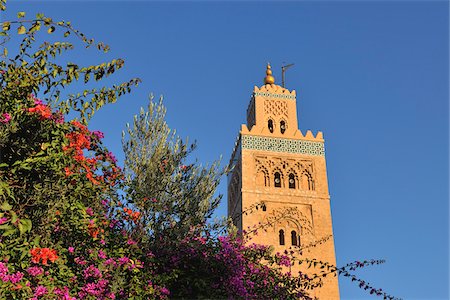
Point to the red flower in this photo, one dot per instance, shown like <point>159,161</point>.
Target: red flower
<point>43,110</point>
<point>68,171</point>
<point>44,254</point>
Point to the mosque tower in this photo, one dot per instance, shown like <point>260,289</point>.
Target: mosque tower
<point>283,171</point>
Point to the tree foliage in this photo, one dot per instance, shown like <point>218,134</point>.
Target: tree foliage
<point>173,195</point>
<point>73,225</point>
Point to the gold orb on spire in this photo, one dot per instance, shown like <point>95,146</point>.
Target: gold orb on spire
<point>269,79</point>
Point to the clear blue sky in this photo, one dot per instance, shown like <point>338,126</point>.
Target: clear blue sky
<point>373,76</point>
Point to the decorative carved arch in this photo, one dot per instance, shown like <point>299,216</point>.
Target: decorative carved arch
<point>262,176</point>
<point>278,177</point>
<point>292,178</point>
<point>306,181</point>
<point>283,125</point>
<point>271,124</point>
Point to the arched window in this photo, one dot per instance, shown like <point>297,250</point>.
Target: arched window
<point>264,207</point>
<point>294,238</point>
<point>281,236</point>
<point>291,181</point>
<point>282,127</point>
<point>270,125</point>
<point>262,177</point>
<point>277,179</point>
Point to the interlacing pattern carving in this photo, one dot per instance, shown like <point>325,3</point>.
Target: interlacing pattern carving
<point>282,145</point>
<point>285,173</point>
<point>275,108</point>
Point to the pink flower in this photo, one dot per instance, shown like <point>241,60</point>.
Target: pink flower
<point>16,277</point>
<point>164,291</point>
<point>64,293</point>
<point>110,261</point>
<point>35,271</point>
<point>89,211</point>
<point>58,117</point>
<point>92,271</point>
<point>3,220</point>
<point>123,260</point>
<point>4,272</point>
<point>5,118</point>
<point>80,261</point>
<point>40,291</point>
<point>98,134</point>
<point>111,157</point>
<point>71,249</point>
<point>101,254</point>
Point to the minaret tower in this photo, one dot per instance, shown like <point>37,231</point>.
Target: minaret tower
<point>283,170</point>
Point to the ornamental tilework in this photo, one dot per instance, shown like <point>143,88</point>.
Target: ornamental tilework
<point>282,145</point>
<point>282,96</point>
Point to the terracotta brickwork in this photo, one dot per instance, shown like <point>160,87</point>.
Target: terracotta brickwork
<point>276,164</point>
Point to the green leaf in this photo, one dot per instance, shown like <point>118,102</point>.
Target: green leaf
<point>6,227</point>
<point>14,217</point>
<point>6,26</point>
<point>21,30</point>
<point>9,232</point>
<point>36,241</point>
<point>6,206</point>
<point>24,226</point>
<point>21,14</point>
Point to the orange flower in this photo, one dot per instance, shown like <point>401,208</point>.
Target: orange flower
<point>68,172</point>
<point>44,254</point>
<point>93,230</point>
<point>43,110</point>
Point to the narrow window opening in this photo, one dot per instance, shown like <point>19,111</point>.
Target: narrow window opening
<point>277,180</point>
<point>291,181</point>
<point>270,125</point>
<point>281,236</point>
<point>264,208</point>
<point>294,238</point>
<point>310,184</point>
<point>282,127</point>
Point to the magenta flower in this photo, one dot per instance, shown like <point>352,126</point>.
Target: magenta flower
<point>3,220</point>
<point>101,254</point>
<point>35,271</point>
<point>71,249</point>
<point>123,260</point>
<point>5,118</point>
<point>4,272</point>
<point>164,291</point>
<point>89,211</point>
<point>110,261</point>
<point>131,242</point>
<point>80,261</point>
<point>98,134</point>
<point>92,272</point>
<point>111,157</point>
<point>40,291</point>
<point>16,277</point>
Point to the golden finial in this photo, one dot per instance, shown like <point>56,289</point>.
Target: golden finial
<point>269,79</point>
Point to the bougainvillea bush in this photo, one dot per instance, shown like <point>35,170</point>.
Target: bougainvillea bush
<point>74,225</point>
